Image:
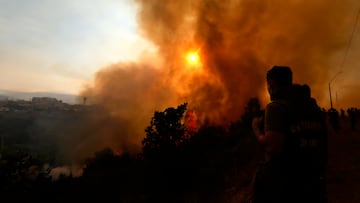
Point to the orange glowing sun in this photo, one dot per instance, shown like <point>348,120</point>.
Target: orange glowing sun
<point>193,58</point>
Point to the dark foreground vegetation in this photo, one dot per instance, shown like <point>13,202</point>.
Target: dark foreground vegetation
<point>177,164</point>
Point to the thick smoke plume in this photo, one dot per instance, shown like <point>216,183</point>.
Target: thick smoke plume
<point>237,40</point>
<point>241,39</point>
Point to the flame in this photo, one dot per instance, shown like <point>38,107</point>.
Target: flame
<point>191,120</point>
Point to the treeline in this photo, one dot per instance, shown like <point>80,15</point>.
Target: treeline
<point>177,164</point>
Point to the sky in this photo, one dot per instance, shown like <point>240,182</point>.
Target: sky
<point>58,46</point>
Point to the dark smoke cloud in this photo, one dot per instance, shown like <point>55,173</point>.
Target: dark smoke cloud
<point>242,39</point>
<point>238,40</point>
<point>127,96</point>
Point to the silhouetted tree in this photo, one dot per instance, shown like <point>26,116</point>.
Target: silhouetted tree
<point>243,127</point>
<point>165,132</point>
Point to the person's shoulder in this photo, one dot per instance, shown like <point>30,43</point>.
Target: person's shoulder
<point>277,103</point>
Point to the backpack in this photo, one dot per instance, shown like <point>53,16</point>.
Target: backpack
<point>306,142</point>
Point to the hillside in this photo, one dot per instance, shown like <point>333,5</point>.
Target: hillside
<point>343,172</point>
<point>213,165</point>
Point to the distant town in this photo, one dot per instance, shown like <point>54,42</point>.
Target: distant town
<point>40,104</point>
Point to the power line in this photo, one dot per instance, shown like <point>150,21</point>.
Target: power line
<point>350,40</point>
<point>345,55</point>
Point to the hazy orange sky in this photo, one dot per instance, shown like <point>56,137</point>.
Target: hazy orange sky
<point>59,46</point>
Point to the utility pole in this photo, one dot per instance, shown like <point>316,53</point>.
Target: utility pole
<point>331,106</point>
<point>332,79</point>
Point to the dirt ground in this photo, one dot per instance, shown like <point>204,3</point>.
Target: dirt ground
<point>343,182</point>
<point>343,172</point>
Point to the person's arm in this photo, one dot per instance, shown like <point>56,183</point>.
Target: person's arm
<point>273,141</point>
<point>257,124</point>
<point>273,138</point>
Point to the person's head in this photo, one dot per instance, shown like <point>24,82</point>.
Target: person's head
<point>307,90</point>
<point>279,80</point>
<point>300,92</point>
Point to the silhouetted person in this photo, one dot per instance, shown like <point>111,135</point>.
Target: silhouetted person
<point>294,141</point>
<point>342,114</point>
<point>352,115</point>
<point>334,118</point>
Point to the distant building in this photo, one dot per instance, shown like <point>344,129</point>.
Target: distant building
<point>4,109</point>
<point>46,102</point>
<point>3,98</point>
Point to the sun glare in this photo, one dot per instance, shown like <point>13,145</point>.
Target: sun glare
<point>193,58</point>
